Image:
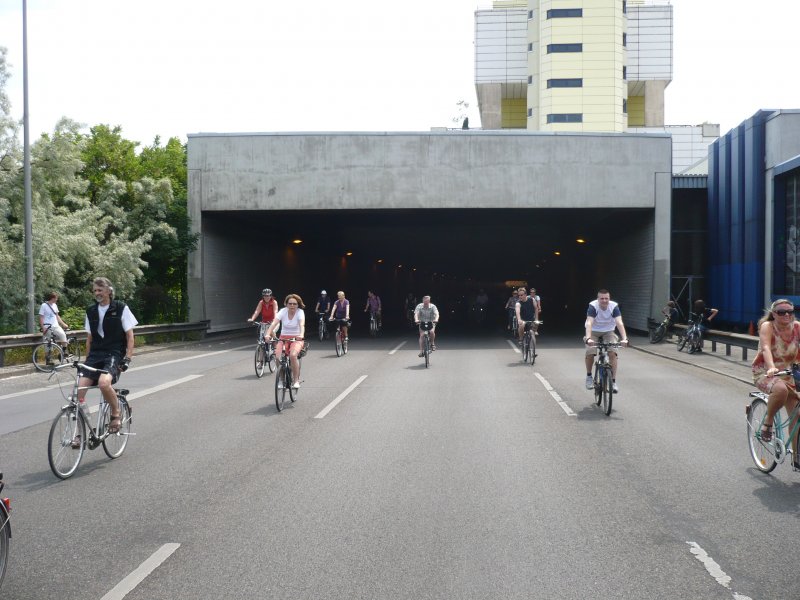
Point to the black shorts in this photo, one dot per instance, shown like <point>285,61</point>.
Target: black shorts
<point>109,362</point>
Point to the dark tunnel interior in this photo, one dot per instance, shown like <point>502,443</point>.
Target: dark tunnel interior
<point>449,254</point>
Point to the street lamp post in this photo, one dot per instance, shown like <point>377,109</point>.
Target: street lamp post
<point>27,172</point>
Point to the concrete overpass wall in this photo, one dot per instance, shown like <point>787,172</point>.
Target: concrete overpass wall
<point>463,169</point>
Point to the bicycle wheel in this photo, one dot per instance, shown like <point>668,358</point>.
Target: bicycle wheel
<point>47,356</point>
<point>657,334</point>
<point>533,348</point>
<point>272,360</point>
<point>598,385</point>
<point>682,342</point>
<point>373,327</point>
<point>321,330</point>
<point>260,360</point>
<point>293,391</point>
<point>426,345</point>
<point>345,344</point>
<point>525,347</point>
<point>66,427</point>
<point>763,453</point>
<point>5,542</point>
<point>339,343</point>
<point>114,445</point>
<point>283,385</point>
<point>607,391</point>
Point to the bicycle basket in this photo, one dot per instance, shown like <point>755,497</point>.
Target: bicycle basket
<point>304,351</point>
<point>426,325</point>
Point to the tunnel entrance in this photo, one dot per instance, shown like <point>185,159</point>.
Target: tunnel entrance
<point>450,254</point>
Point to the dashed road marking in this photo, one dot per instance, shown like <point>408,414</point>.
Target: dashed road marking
<point>514,347</point>
<point>400,345</point>
<point>340,397</point>
<point>126,586</point>
<point>714,569</point>
<point>555,396</point>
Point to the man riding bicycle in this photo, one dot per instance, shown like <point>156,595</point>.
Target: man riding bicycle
<point>373,305</point>
<point>426,312</point>
<point>602,317</point>
<point>527,311</point>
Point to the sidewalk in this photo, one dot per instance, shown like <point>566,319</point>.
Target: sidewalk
<point>730,366</point>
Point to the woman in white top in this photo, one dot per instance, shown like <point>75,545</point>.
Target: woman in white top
<point>293,326</point>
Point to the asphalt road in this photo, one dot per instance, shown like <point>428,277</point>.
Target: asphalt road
<point>466,480</point>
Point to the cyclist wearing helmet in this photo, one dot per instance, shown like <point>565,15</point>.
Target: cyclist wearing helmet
<point>323,303</point>
<point>267,306</point>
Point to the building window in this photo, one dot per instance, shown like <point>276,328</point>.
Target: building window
<point>565,118</point>
<point>624,39</point>
<point>530,47</point>
<point>624,7</point>
<point>564,83</point>
<point>551,48</point>
<point>530,112</point>
<point>530,15</point>
<point>561,13</point>
<point>530,79</point>
<point>624,106</point>
<point>625,73</point>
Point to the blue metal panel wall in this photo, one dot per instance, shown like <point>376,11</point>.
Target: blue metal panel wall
<point>736,210</point>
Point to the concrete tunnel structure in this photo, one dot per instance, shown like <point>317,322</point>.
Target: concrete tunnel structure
<point>442,213</point>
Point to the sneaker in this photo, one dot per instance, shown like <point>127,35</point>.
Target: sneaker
<point>589,382</point>
<point>280,384</point>
<point>421,354</point>
<point>614,388</point>
<point>433,347</point>
<point>76,442</point>
<point>296,385</point>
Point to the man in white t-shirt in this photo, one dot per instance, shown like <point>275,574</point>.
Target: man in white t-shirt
<point>50,319</point>
<point>602,317</point>
<point>109,325</point>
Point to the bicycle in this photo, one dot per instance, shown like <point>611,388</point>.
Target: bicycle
<point>283,379</point>
<point>692,337</point>
<point>323,327</point>
<point>529,341</point>
<point>603,377</point>
<point>767,454</point>
<point>67,440</point>
<point>659,332</point>
<point>374,324</point>
<point>49,353</point>
<point>264,357</point>
<point>341,341</point>
<point>426,327</point>
<point>5,532</point>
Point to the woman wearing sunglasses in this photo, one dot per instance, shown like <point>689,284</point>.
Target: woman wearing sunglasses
<point>778,348</point>
<point>293,326</point>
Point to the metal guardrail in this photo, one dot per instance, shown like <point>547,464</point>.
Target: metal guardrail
<point>31,339</point>
<point>727,339</point>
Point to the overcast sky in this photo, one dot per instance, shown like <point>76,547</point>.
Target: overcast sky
<point>173,67</point>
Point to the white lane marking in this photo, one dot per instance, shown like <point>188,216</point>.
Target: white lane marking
<point>400,345</point>
<point>555,396</point>
<point>142,368</point>
<point>161,387</point>
<point>514,347</point>
<point>714,569</point>
<point>126,586</point>
<point>340,397</point>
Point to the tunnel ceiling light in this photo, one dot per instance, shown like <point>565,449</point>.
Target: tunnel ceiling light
<point>399,266</point>
<point>297,241</point>
<point>348,254</point>
<point>380,260</point>
<point>557,253</point>
<point>581,241</point>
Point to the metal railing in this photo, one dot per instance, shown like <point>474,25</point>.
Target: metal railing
<point>727,339</point>
<point>31,339</point>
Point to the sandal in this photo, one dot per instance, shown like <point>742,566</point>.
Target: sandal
<point>76,442</point>
<point>766,433</point>
<point>112,429</point>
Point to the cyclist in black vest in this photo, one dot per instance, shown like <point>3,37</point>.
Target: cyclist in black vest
<point>109,344</point>
<point>527,311</point>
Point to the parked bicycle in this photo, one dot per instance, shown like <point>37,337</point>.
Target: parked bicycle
<point>603,376</point>
<point>529,341</point>
<point>324,334</point>
<point>341,340</point>
<point>283,378</point>
<point>265,357</point>
<point>659,332</point>
<point>50,354</point>
<point>5,532</point>
<point>427,348</point>
<point>691,338</point>
<point>768,454</point>
<point>68,433</point>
